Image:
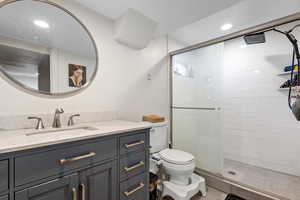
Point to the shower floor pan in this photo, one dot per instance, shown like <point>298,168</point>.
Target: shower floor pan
<point>281,184</point>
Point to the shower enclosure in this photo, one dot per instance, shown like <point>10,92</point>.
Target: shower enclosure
<point>196,105</point>
<point>229,111</point>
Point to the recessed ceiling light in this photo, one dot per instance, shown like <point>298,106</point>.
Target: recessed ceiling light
<point>41,24</point>
<point>226,27</point>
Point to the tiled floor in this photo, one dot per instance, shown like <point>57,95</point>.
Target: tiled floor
<point>212,194</point>
<point>266,180</point>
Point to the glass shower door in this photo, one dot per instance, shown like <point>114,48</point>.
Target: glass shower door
<point>196,105</point>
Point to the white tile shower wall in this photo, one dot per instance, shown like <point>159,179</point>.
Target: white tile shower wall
<point>121,83</point>
<point>203,88</point>
<point>196,130</point>
<point>258,127</point>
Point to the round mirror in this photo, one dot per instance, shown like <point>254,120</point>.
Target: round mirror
<point>45,49</point>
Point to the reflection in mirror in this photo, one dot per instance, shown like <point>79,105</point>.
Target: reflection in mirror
<point>43,48</point>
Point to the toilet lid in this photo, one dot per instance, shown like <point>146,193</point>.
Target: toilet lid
<point>176,156</point>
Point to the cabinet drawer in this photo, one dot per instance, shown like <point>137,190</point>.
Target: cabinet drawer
<point>132,165</point>
<point>135,188</point>
<point>40,165</point>
<point>133,143</point>
<point>3,175</point>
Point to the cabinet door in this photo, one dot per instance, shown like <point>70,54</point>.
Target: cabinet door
<point>99,182</point>
<point>4,166</point>
<point>60,189</point>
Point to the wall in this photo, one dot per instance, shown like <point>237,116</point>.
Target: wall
<point>258,127</point>
<point>27,75</point>
<point>60,60</point>
<point>31,75</point>
<point>121,82</point>
<point>203,88</point>
<point>8,41</point>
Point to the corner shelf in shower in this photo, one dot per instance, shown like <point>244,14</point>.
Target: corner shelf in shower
<point>286,73</point>
<point>286,89</point>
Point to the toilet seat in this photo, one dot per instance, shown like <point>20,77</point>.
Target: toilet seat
<point>176,157</point>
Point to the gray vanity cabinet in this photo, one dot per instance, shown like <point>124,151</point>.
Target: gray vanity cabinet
<point>98,182</point>
<point>91,184</point>
<point>59,189</point>
<point>46,163</point>
<point>134,166</point>
<point>113,167</point>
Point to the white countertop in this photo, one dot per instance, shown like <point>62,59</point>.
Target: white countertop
<point>16,140</point>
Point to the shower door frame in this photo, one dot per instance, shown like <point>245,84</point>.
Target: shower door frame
<point>259,28</point>
<point>262,27</point>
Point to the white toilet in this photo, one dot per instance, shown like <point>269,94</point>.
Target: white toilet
<point>179,165</point>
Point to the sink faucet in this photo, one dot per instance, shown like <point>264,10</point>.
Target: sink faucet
<point>71,120</point>
<point>40,124</point>
<point>56,121</point>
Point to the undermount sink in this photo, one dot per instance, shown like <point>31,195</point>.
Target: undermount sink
<point>89,128</point>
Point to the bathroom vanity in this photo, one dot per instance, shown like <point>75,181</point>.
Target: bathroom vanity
<point>108,163</point>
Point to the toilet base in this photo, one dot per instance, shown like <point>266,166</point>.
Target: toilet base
<point>179,192</point>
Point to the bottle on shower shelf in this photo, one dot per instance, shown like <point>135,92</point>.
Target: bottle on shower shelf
<point>286,84</point>
<point>295,82</point>
<point>290,68</point>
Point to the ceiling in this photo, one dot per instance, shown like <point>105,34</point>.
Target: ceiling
<point>169,14</point>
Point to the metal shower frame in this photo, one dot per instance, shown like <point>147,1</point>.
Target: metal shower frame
<point>254,29</point>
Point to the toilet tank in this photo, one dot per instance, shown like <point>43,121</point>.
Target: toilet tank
<point>159,137</point>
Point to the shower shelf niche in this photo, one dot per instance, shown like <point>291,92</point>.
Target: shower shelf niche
<point>286,73</point>
<point>286,89</point>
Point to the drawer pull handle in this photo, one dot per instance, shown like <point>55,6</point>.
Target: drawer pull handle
<point>140,164</point>
<point>134,144</point>
<point>83,189</point>
<point>67,160</point>
<point>74,194</point>
<point>127,194</point>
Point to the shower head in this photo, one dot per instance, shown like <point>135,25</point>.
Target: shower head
<point>255,38</point>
